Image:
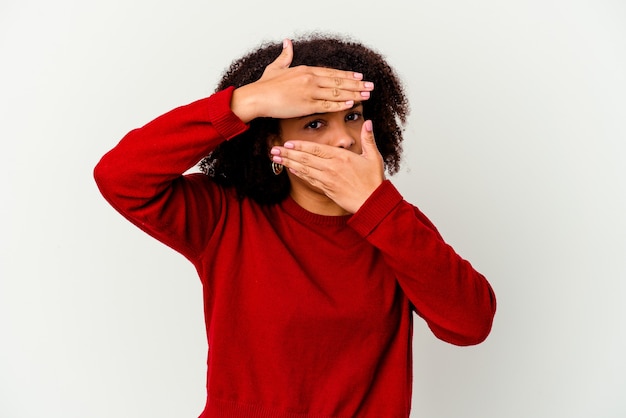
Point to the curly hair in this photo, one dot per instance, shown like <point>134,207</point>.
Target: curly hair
<point>243,162</point>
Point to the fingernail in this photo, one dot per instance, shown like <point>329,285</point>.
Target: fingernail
<point>368,125</point>
<point>358,76</point>
<point>285,43</point>
<point>289,145</point>
<point>365,94</point>
<point>275,151</point>
<point>368,85</point>
<point>350,103</point>
<point>277,159</point>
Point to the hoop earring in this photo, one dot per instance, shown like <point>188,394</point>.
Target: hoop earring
<point>277,168</point>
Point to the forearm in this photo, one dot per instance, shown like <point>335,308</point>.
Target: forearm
<point>142,177</point>
<point>456,301</point>
<point>147,160</point>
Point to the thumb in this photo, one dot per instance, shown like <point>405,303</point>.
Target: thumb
<point>368,143</point>
<point>285,57</point>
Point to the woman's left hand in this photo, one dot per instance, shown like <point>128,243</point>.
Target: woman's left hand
<point>344,176</point>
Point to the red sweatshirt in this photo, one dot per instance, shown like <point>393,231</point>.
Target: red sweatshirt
<point>307,316</point>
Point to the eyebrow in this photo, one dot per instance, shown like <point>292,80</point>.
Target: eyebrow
<point>355,105</point>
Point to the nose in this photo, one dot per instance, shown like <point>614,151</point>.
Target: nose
<point>342,137</point>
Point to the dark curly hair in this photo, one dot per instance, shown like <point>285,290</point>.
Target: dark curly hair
<point>243,162</point>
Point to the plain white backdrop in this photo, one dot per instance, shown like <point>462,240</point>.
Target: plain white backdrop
<point>515,148</point>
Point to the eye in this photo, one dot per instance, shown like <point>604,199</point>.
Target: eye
<point>316,124</point>
<point>354,116</point>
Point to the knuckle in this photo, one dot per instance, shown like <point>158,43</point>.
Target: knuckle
<point>308,78</point>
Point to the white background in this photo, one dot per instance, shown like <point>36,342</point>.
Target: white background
<point>515,148</point>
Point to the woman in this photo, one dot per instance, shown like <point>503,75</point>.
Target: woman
<point>311,261</point>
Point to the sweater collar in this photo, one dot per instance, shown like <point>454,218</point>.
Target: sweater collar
<point>304,216</point>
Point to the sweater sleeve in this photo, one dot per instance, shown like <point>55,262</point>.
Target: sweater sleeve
<point>456,301</point>
<point>142,176</point>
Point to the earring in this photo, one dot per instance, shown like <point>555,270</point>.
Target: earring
<point>277,168</point>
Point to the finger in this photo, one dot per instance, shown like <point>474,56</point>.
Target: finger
<point>339,95</point>
<point>301,164</point>
<point>337,76</point>
<point>325,106</point>
<point>294,147</point>
<point>309,177</point>
<point>368,142</point>
<point>300,161</point>
<point>335,92</point>
<point>302,155</point>
<point>336,100</point>
<point>369,150</point>
<point>344,83</point>
<point>286,55</point>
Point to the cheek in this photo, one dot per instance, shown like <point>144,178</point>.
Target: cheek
<point>296,133</point>
<point>287,130</point>
<point>355,131</point>
<point>321,136</point>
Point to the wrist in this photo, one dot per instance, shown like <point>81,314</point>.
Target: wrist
<point>243,104</point>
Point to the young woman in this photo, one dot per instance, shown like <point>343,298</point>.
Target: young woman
<point>311,261</point>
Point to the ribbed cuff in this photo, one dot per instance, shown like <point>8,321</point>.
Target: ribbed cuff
<point>222,117</point>
<point>380,203</point>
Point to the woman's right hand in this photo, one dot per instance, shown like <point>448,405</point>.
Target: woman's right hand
<point>287,92</point>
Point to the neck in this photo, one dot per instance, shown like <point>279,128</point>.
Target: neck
<point>316,202</point>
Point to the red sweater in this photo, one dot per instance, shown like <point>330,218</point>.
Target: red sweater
<point>307,316</point>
